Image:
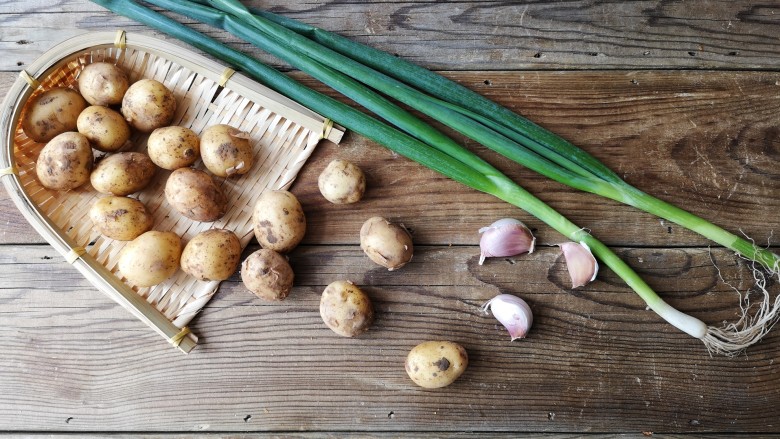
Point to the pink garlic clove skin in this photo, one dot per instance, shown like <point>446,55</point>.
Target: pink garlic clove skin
<point>513,312</point>
<point>580,262</point>
<point>505,237</point>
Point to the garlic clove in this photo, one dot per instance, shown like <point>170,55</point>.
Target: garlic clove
<point>513,312</point>
<point>580,262</point>
<point>505,237</point>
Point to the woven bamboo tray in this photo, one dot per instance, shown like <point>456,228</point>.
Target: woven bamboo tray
<point>283,133</point>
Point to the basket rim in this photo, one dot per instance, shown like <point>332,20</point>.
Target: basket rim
<point>22,89</point>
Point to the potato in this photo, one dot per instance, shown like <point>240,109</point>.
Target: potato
<point>342,182</point>
<point>120,218</point>
<point>267,274</point>
<point>151,258</point>
<point>387,244</point>
<point>195,195</point>
<point>123,173</point>
<point>103,83</point>
<point>212,255</point>
<point>173,147</point>
<point>52,112</point>
<point>104,127</point>
<point>65,162</point>
<point>346,309</point>
<point>435,364</point>
<point>279,221</point>
<point>226,151</point>
<point>148,104</point>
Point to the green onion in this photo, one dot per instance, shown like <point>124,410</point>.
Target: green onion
<point>429,147</point>
<point>436,85</point>
<point>495,127</point>
<point>299,52</point>
<point>500,129</point>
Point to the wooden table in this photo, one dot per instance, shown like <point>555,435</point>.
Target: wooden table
<point>682,99</point>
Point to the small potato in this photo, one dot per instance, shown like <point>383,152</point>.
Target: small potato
<point>103,83</point>
<point>52,112</point>
<point>279,221</point>
<point>173,147</point>
<point>346,309</point>
<point>342,182</point>
<point>150,258</point>
<point>226,150</point>
<point>120,218</point>
<point>435,364</point>
<point>194,194</point>
<point>148,104</point>
<point>104,127</point>
<point>65,162</point>
<point>387,244</point>
<point>267,274</point>
<point>212,255</point>
<point>123,173</point>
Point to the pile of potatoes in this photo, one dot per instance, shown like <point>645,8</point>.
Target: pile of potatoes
<point>102,116</point>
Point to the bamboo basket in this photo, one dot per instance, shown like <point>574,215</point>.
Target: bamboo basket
<point>283,133</point>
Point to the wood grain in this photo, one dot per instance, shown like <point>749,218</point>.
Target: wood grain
<point>397,435</point>
<point>595,359</point>
<point>477,35</point>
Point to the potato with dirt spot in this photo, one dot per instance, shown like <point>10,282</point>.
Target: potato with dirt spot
<point>194,194</point>
<point>103,83</point>
<point>65,162</point>
<point>279,221</point>
<point>173,147</point>
<point>120,218</point>
<point>346,309</point>
<point>105,128</point>
<point>151,258</point>
<point>123,173</point>
<point>51,113</point>
<point>342,182</point>
<point>148,104</point>
<point>210,255</point>
<point>226,150</point>
<point>268,275</point>
<point>435,364</point>
<point>386,243</point>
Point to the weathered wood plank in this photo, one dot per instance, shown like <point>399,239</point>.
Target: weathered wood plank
<point>595,359</point>
<point>707,141</point>
<point>395,435</point>
<point>477,35</point>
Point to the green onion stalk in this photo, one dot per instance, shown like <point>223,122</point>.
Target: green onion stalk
<point>459,108</point>
<point>349,86</point>
<point>500,119</point>
<point>422,143</point>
